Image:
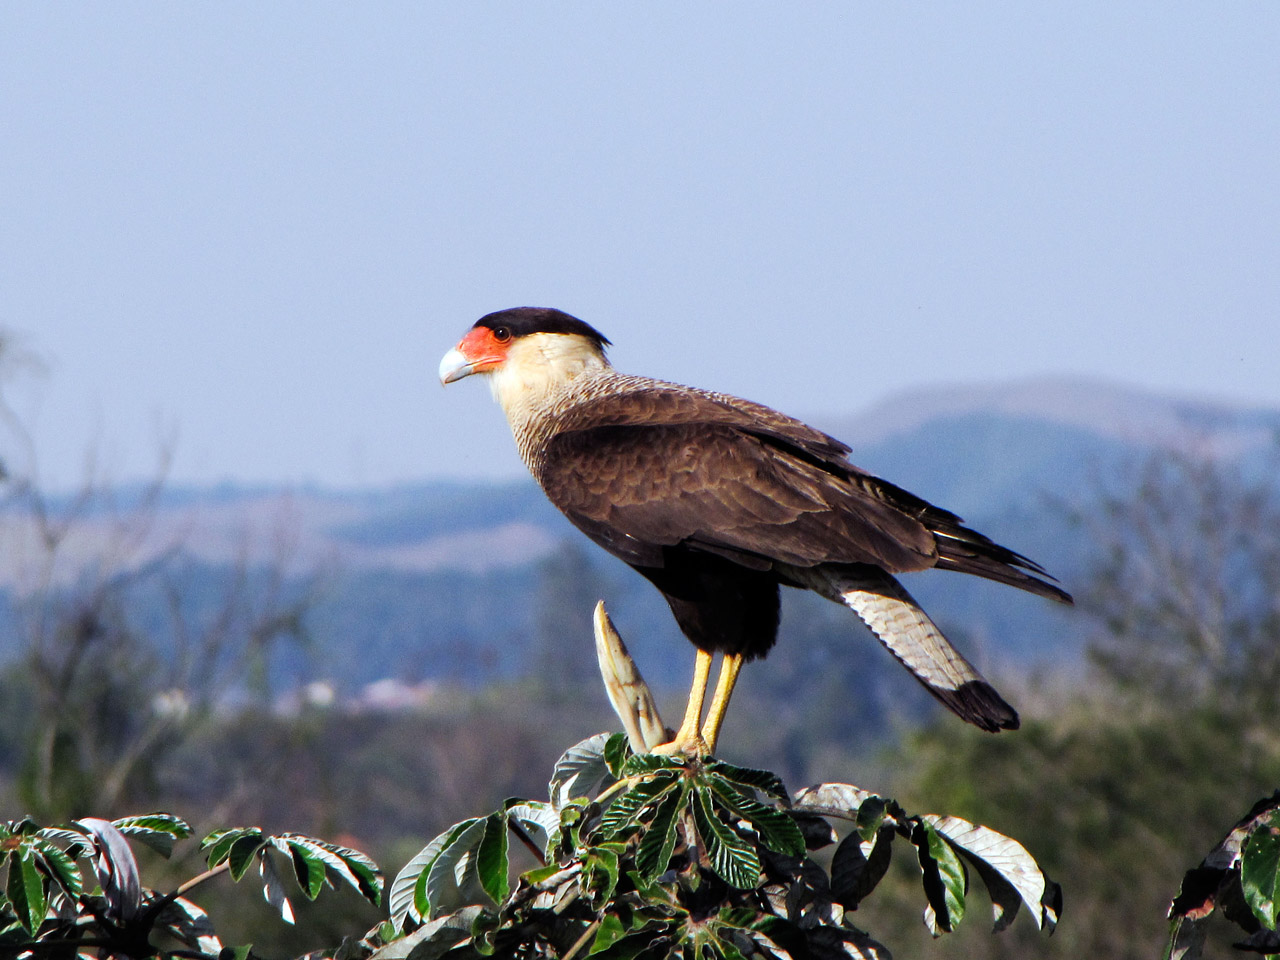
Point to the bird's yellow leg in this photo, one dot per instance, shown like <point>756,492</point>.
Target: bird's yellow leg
<point>720,702</point>
<point>687,739</point>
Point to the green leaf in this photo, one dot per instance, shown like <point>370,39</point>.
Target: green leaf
<point>944,879</point>
<point>409,889</point>
<point>600,872</point>
<point>190,925</point>
<point>762,780</point>
<point>216,846</point>
<point>652,892</point>
<point>273,887</point>
<point>731,857</point>
<point>817,832</point>
<point>77,843</point>
<point>540,822</point>
<point>116,869</point>
<point>580,771</point>
<point>1260,871</point>
<point>871,814</point>
<point>832,800</point>
<point>622,813</point>
<point>58,867</point>
<point>369,879</point>
<point>778,933</point>
<point>308,868</point>
<point>483,930</point>
<point>1007,870</point>
<point>316,862</point>
<point>724,947</point>
<point>219,843</point>
<point>538,874</point>
<point>351,866</point>
<point>632,946</point>
<point>433,939</point>
<point>642,763</point>
<point>569,837</point>
<point>778,831</point>
<point>158,831</point>
<point>25,888</point>
<point>654,852</point>
<point>453,880</point>
<point>1186,938</point>
<point>828,941</point>
<point>738,916</point>
<point>242,852</point>
<point>491,858</point>
<point>855,872</point>
<point>610,931</point>
<point>167,823</point>
<point>616,751</point>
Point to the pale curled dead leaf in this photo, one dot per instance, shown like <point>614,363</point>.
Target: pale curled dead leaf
<point>631,697</point>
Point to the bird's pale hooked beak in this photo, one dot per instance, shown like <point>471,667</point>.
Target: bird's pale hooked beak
<point>478,352</point>
<point>455,366</point>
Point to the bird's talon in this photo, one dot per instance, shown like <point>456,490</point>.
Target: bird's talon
<point>693,746</point>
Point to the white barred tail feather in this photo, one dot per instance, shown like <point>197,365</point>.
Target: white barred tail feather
<point>906,631</point>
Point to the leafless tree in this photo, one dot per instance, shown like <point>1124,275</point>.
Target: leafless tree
<point>109,660</point>
<point>1186,585</point>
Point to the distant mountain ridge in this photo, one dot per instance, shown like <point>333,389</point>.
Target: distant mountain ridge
<point>1124,413</point>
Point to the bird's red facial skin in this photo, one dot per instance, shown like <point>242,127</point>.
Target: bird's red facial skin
<point>483,349</point>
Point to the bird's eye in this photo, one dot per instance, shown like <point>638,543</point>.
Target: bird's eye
<point>501,334</point>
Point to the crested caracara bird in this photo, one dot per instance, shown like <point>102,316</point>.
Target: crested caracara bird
<point>718,501</point>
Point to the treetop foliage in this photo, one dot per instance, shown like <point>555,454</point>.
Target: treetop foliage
<point>633,856</point>
<point>48,909</point>
<point>1240,877</point>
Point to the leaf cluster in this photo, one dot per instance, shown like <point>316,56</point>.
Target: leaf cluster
<point>1240,878</point>
<point>632,857</point>
<point>50,906</point>
<point>641,857</point>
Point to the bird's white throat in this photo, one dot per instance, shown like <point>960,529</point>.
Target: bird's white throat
<point>540,369</point>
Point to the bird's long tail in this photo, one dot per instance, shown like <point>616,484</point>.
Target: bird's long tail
<point>906,630</point>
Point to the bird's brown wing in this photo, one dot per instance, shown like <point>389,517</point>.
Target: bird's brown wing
<point>662,464</point>
<point>751,491</point>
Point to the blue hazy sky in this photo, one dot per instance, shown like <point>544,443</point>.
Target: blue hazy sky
<point>255,228</point>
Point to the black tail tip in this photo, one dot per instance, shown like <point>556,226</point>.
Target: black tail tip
<point>978,703</point>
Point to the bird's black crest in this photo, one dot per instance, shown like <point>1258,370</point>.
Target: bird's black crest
<point>522,321</point>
